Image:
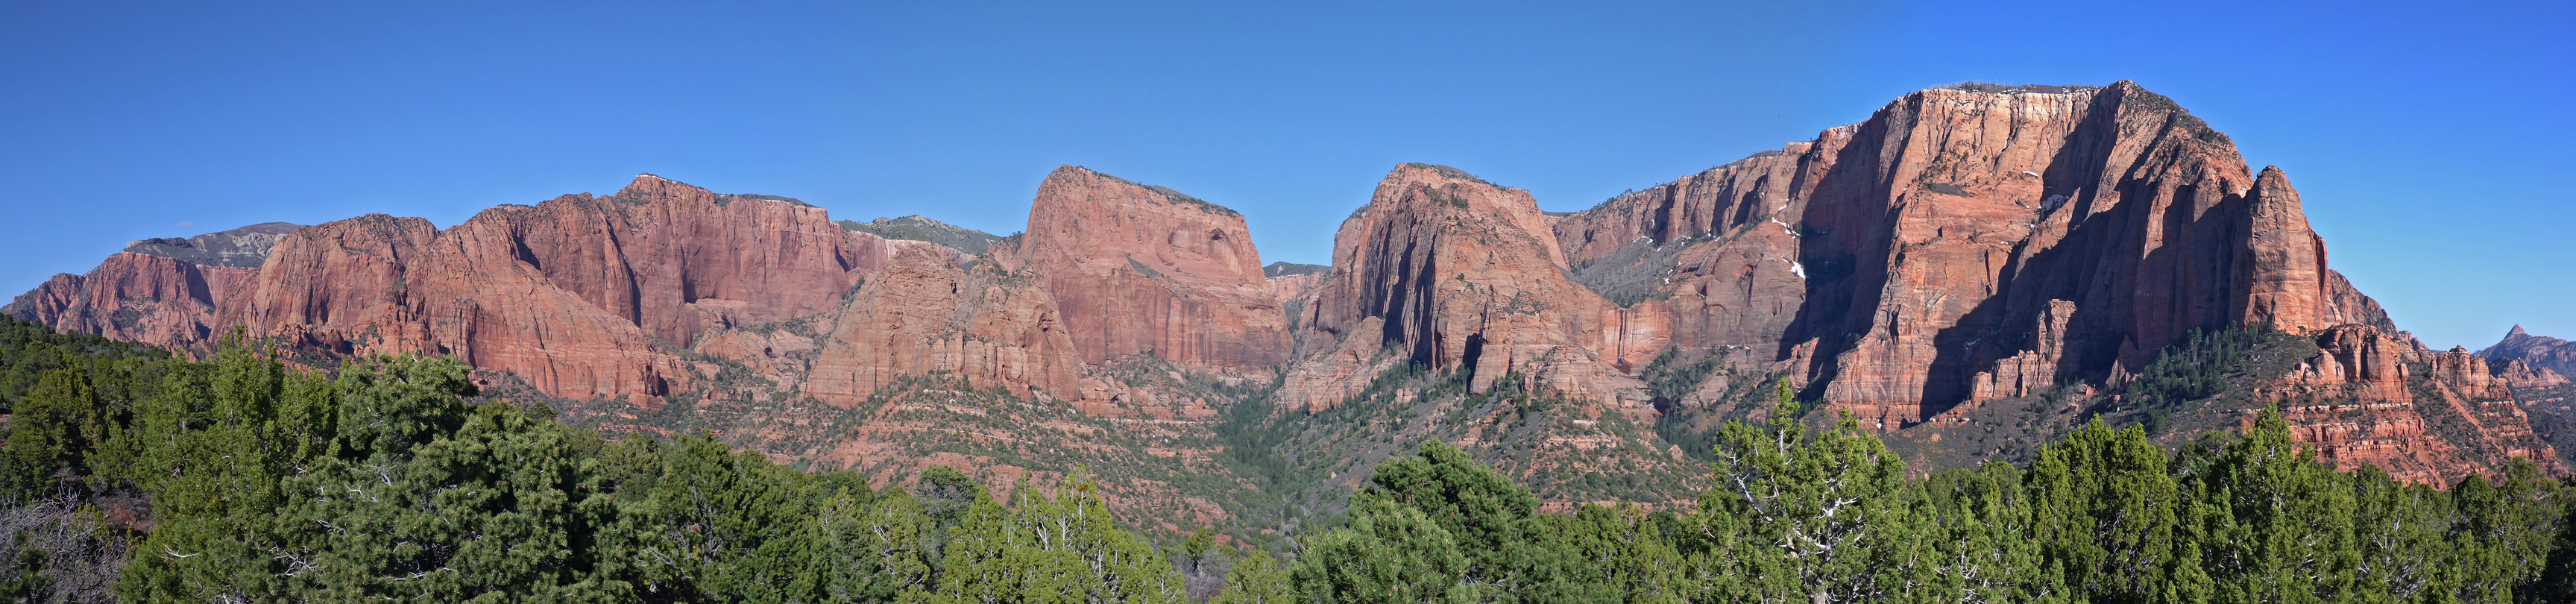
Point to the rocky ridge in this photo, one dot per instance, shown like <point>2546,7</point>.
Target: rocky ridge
<point>1963,261</point>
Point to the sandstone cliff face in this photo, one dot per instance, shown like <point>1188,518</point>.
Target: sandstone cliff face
<point>2426,417</point>
<point>1927,257</point>
<point>580,296</point>
<point>135,297</point>
<point>158,290</point>
<point>1146,270</point>
<point>1464,275</point>
<point>923,314</point>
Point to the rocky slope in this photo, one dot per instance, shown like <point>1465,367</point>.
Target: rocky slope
<point>238,248</point>
<point>2536,368</point>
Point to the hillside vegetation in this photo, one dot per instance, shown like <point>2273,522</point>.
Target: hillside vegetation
<point>135,476</point>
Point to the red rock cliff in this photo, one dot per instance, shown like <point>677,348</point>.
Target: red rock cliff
<point>1906,264</point>
<point>580,296</point>
<point>1463,275</point>
<point>1146,270</point>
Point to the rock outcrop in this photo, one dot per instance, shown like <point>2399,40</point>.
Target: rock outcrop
<point>135,297</point>
<point>1138,269</point>
<point>2540,352</point>
<point>1910,263</point>
<point>166,289</point>
<point>579,296</point>
<point>924,314</point>
<point>2368,398</point>
<point>1959,250</point>
<point>1465,276</point>
<point>244,247</point>
<point>921,228</point>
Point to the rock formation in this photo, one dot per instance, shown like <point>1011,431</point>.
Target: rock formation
<point>158,290</point>
<point>1465,276</point>
<point>1958,250</point>
<point>579,296</point>
<point>244,247</point>
<point>2368,398</point>
<point>924,314</point>
<point>2540,352</point>
<point>1140,269</point>
<point>1959,240</point>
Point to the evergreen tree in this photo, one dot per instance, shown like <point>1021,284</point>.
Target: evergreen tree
<point>1804,515</point>
<point>876,552</point>
<point>207,457</point>
<point>51,433</point>
<point>2105,511</point>
<point>1387,554</point>
<point>1255,578</point>
<point>2272,524</point>
<point>429,500</point>
<point>1044,550</point>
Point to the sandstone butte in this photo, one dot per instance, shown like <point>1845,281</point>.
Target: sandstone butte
<point>1960,246</point>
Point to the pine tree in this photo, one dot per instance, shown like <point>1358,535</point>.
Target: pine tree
<point>1388,554</point>
<point>1256,578</point>
<point>1046,550</point>
<point>1804,515</point>
<point>2274,525</point>
<point>206,456</point>
<point>2105,511</point>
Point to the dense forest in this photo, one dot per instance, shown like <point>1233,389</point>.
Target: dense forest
<point>135,475</point>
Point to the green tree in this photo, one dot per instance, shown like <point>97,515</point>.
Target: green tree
<point>1256,578</point>
<point>1043,550</point>
<point>430,500</point>
<point>1388,554</point>
<point>2272,524</point>
<point>2105,511</point>
<point>206,454</point>
<point>879,552</point>
<point>1803,515</point>
<point>698,521</point>
<point>52,431</point>
<point>2503,531</point>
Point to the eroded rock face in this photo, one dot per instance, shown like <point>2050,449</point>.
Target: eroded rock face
<point>244,247</point>
<point>1465,276</point>
<point>1923,253</point>
<point>580,296</point>
<point>1295,287</point>
<point>924,314</point>
<point>2368,398</point>
<point>1147,270</point>
<point>158,290</point>
<point>135,297</point>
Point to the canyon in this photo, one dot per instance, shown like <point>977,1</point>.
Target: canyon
<point>1968,271</point>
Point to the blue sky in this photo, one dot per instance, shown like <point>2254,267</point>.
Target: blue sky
<point>2430,143</point>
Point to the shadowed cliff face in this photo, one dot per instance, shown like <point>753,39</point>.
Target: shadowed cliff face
<point>1902,266</point>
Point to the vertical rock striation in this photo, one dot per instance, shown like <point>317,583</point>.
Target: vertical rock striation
<point>1140,269</point>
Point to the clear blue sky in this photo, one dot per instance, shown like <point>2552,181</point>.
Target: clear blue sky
<point>2431,143</point>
